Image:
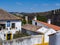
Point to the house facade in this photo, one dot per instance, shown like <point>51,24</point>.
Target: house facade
<point>9,24</point>
<point>47,29</point>
<point>38,30</point>
<point>44,29</point>
<point>54,39</point>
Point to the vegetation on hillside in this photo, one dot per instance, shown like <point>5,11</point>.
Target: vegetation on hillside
<point>42,18</point>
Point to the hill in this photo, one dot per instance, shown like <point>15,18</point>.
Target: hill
<point>54,15</point>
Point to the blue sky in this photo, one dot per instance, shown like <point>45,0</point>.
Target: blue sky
<point>29,5</point>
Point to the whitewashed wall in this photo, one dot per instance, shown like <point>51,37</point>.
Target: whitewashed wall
<point>38,24</point>
<point>17,23</point>
<point>30,40</point>
<point>45,30</point>
<point>54,39</point>
<point>2,35</point>
<point>5,31</point>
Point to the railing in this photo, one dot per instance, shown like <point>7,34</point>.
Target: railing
<point>29,40</point>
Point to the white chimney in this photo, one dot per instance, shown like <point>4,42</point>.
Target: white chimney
<point>26,18</point>
<point>54,11</point>
<point>35,18</point>
<point>49,21</point>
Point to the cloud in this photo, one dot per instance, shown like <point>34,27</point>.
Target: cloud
<point>57,4</point>
<point>32,8</point>
<point>45,4</point>
<point>18,3</point>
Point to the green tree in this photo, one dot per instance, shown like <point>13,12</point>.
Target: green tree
<point>41,18</point>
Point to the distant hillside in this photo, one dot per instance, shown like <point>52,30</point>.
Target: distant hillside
<point>54,15</point>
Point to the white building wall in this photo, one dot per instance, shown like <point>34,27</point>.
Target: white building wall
<point>42,30</point>
<point>54,39</point>
<point>38,23</point>
<point>2,35</point>
<point>30,40</point>
<point>17,24</point>
<point>46,32</point>
<point>33,22</point>
<point>51,31</point>
<point>5,31</point>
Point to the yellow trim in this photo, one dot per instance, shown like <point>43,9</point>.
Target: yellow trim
<point>43,39</point>
<point>11,36</point>
<point>7,36</point>
<point>43,43</point>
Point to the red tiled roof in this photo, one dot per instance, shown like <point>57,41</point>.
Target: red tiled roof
<point>30,27</point>
<point>50,25</point>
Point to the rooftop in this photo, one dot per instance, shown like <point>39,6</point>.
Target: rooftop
<point>50,25</point>
<point>6,16</point>
<point>31,27</point>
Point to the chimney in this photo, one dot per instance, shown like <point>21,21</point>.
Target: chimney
<point>35,18</point>
<point>26,18</point>
<point>49,21</point>
<point>54,11</point>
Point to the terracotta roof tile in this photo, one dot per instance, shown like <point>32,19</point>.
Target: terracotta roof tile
<point>30,27</point>
<point>50,25</point>
<point>6,16</point>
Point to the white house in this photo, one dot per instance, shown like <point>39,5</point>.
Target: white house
<point>42,28</point>
<point>38,30</point>
<point>47,28</point>
<point>9,24</point>
<point>54,39</point>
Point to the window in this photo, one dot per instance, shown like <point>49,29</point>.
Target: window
<point>35,23</point>
<point>2,26</point>
<point>4,35</point>
<point>8,23</point>
<point>13,25</point>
